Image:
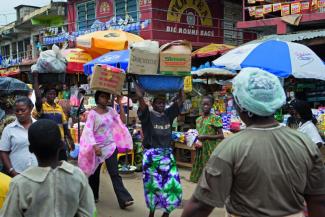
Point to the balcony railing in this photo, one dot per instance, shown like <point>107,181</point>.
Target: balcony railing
<point>23,57</point>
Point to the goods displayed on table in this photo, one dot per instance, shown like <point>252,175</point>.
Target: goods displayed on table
<point>108,79</point>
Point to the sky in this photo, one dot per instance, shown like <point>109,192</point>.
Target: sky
<point>8,13</point>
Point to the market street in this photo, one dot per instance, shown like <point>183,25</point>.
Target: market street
<point>108,206</point>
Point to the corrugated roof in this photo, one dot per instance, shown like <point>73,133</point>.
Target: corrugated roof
<point>298,36</point>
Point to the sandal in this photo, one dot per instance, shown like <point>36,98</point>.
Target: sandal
<point>126,204</point>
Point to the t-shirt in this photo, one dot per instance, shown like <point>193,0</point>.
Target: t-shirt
<point>4,187</point>
<point>55,113</point>
<point>262,172</point>
<point>157,127</point>
<point>311,131</point>
<point>14,139</point>
<point>43,191</point>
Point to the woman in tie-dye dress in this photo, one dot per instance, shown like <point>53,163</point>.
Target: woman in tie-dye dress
<point>162,187</point>
<point>103,134</point>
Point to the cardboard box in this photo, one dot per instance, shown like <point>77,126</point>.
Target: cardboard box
<point>144,58</point>
<point>175,58</point>
<point>108,79</point>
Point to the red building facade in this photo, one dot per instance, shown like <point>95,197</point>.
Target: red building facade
<point>199,21</point>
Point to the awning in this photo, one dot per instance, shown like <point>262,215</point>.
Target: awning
<point>297,36</point>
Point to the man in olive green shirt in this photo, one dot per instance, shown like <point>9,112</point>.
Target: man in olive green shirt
<point>53,189</point>
<point>266,169</point>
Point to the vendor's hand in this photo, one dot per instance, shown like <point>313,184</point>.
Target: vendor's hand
<point>201,138</point>
<point>98,151</point>
<point>72,145</point>
<point>138,90</point>
<point>35,74</point>
<point>13,173</point>
<point>198,145</point>
<point>119,100</point>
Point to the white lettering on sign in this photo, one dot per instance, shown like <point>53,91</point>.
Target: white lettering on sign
<point>190,31</point>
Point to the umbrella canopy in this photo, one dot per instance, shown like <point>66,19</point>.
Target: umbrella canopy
<point>119,59</point>
<point>281,58</point>
<point>76,58</point>
<point>9,86</point>
<point>214,72</point>
<point>101,42</point>
<point>211,50</point>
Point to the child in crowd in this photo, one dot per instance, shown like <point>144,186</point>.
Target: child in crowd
<point>52,189</point>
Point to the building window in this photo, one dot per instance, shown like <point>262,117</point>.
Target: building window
<point>86,15</point>
<point>126,7</point>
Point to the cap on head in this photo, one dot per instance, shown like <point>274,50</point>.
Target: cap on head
<point>258,91</point>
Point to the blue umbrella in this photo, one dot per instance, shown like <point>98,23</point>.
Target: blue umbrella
<point>278,57</point>
<point>118,59</point>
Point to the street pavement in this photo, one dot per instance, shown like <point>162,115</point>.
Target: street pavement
<point>108,206</point>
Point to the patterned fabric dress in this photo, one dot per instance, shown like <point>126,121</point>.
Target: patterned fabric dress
<point>205,126</point>
<point>162,187</point>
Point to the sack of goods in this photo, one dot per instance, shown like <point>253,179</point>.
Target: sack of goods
<point>51,66</point>
<point>50,61</point>
<point>108,79</point>
<point>144,58</point>
<point>174,59</point>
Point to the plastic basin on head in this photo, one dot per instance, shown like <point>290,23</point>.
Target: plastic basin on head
<point>161,83</point>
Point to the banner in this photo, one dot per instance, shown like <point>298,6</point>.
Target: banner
<point>295,8</point>
<point>276,7</point>
<point>304,5</point>
<point>285,10</point>
<point>267,9</point>
<point>321,3</point>
<point>259,12</point>
<point>251,11</point>
<point>259,0</point>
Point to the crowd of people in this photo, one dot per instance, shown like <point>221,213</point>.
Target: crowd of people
<point>266,169</point>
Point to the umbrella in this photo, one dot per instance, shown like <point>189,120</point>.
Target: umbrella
<point>113,58</point>
<point>211,50</point>
<point>9,86</point>
<point>76,58</point>
<point>101,42</point>
<point>214,72</point>
<point>281,58</point>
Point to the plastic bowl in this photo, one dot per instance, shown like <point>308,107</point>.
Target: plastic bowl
<point>161,83</point>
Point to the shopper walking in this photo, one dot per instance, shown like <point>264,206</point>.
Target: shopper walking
<point>266,169</point>
<point>162,187</point>
<point>98,145</point>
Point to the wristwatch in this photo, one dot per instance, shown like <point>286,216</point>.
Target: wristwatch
<point>11,170</point>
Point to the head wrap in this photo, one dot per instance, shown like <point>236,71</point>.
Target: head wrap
<point>258,91</point>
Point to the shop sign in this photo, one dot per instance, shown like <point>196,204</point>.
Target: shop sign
<point>105,9</point>
<point>189,8</point>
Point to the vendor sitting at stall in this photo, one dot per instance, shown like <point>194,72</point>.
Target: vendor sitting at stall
<point>53,111</point>
<point>209,127</point>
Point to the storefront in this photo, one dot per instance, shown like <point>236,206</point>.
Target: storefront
<point>201,22</point>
